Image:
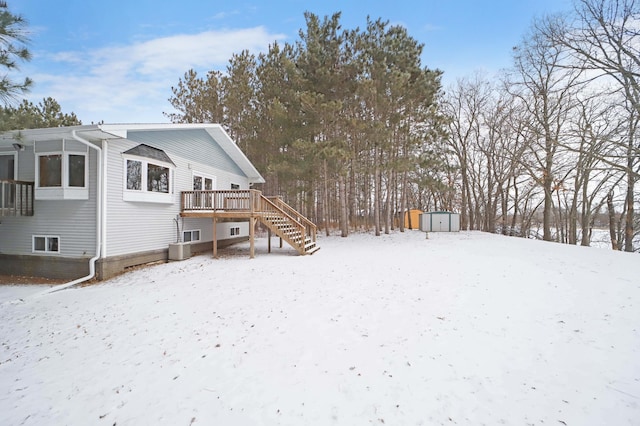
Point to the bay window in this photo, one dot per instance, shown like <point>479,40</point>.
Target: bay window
<point>61,176</point>
<point>147,179</point>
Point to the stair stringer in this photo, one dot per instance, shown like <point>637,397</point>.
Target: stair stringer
<point>286,227</point>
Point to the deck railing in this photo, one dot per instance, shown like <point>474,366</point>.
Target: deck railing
<point>245,200</point>
<point>16,198</point>
<point>273,212</point>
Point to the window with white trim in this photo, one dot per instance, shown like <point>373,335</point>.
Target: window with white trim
<point>46,244</point>
<point>143,175</point>
<point>61,175</point>
<point>235,231</point>
<point>203,182</point>
<point>147,180</point>
<point>191,236</point>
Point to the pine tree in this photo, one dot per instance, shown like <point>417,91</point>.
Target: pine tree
<point>13,40</point>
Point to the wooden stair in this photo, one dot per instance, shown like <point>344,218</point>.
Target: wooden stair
<point>284,221</point>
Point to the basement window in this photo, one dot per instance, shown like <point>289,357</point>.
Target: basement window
<point>46,244</point>
<point>235,231</point>
<point>191,236</point>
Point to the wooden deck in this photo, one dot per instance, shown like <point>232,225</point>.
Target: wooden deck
<point>250,204</point>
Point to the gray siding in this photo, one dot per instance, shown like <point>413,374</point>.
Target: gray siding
<point>26,165</point>
<point>142,226</point>
<point>131,226</point>
<point>74,221</point>
<point>194,145</point>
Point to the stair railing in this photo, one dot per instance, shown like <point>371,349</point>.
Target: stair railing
<point>311,227</point>
<point>267,206</point>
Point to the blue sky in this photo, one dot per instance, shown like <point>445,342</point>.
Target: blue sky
<point>116,61</point>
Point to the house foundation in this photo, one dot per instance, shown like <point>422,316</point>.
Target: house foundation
<point>52,267</point>
<point>61,268</point>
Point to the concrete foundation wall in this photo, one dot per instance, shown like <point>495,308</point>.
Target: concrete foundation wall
<point>71,268</point>
<point>54,267</point>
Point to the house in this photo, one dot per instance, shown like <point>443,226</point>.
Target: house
<point>96,199</point>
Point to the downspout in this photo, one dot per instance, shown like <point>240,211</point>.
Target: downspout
<point>99,208</point>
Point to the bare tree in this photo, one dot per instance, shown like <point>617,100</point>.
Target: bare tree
<point>547,89</point>
<point>604,37</point>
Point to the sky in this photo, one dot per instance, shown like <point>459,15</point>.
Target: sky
<point>116,61</point>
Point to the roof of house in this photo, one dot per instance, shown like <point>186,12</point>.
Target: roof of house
<point>95,133</point>
<point>147,151</point>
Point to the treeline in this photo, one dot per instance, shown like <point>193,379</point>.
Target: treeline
<point>553,142</point>
<point>28,115</point>
<point>353,130</point>
<point>344,124</point>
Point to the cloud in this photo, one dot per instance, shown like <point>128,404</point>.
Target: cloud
<point>225,15</point>
<point>115,83</point>
<point>432,27</point>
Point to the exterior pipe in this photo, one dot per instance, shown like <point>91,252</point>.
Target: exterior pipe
<point>99,207</point>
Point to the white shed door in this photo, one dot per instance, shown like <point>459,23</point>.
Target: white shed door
<point>440,222</point>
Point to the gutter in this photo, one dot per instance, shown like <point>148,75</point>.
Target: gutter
<point>99,208</point>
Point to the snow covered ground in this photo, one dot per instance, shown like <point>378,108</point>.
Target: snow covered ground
<point>462,328</point>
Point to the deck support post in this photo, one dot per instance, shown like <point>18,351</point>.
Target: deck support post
<point>252,225</point>
<point>215,237</point>
<point>268,240</point>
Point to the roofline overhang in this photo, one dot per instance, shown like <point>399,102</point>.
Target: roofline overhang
<point>99,132</point>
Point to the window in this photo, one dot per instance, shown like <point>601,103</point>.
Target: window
<point>235,231</point>
<point>134,175</point>
<point>77,170</point>
<point>146,180</point>
<point>235,186</point>
<point>50,170</point>
<point>61,176</point>
<point>157,178</point>
<point>202,182</point>
<point>191,236</point>
<point>148,175</point>
<point>46,244</point>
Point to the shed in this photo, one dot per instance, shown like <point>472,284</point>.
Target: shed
<point>412,219</point>
<point>440,222</point>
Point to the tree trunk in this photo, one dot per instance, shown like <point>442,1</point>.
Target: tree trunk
<point>612,221</point>
<point>628,226</point>
<point>403,203</point>
<point>342,187</point>
<point>378,190</point>
<point>325,196</point>
<point>547,211</point>
<point>631,179</point>
<point>514,219</point>
<point>387,203</point>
